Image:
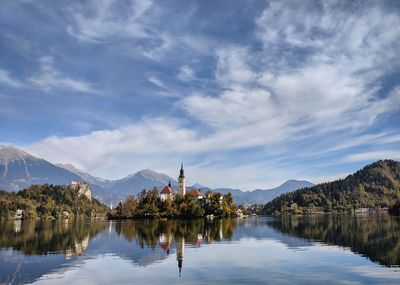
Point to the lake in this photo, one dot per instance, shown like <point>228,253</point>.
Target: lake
<point>326,249</point>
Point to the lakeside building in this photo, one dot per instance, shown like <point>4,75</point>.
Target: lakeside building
<point>371,210</point>
<point>83,189</point>
<point>196,193</point>
<point>210,196</point>
<point>167,193</point>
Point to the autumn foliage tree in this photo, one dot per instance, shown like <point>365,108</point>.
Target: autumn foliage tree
<point>149,205</point>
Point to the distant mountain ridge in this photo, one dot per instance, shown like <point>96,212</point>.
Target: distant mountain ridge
<point>144,179</point>
<point>85,176</point>
<point>19,170</point>
<point>262,196</point>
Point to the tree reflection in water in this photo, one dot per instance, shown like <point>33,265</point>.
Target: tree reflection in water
<point>46,237</point>
<point>30,250</point>
<point>376,237</point>
<point>178,233</point>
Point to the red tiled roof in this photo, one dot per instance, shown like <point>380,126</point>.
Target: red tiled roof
<point>194,192</point>
<point>164,245</point>
<point>166,190</point>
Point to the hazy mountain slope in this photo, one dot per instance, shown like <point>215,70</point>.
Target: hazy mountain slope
<point>260,196</point>
<point>197,186</point>
<point>19,169</point>
<point>117,190</point>
<point>264,196</point>
<point>144,179</point>
<point>104,183</point>
<point>376,185</point>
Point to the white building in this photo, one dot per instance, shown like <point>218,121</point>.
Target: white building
<point>166,193</point>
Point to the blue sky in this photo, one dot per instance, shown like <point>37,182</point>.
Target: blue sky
<point>246,93</point>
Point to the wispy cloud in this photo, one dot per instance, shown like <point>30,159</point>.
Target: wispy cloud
<point>8,80</point>
<point>305,89</point>
<point>373,155</point>
<point>233,66</point>
<point>156,81</point>
<point>98,21</point>
<point>328,90</point>
<point>185,73</point>
<point>158,143</point>
<point>113,147</point>
<point>125,26</point>
<point>49,78</point>
<point>362,140</point>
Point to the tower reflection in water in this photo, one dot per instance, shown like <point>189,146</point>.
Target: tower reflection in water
<point>190,233</point>
<point>165,243</point>
<point>180,253</point>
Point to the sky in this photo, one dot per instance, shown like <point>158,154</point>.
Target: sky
<point>247,93</point>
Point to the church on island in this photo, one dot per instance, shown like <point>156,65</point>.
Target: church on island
<point>168,193</point>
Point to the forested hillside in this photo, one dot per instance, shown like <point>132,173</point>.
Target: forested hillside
<point>49,201</point>
<point>376,185</point>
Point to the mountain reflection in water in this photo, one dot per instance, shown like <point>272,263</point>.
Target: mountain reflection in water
<point>37,252</point>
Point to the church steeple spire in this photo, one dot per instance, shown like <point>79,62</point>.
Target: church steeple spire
<point>182,173</point>
<point>182,183</point>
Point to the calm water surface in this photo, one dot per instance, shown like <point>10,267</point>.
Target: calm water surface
<point>301,250</point>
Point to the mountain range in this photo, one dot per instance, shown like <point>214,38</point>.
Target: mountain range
<point>19,170</point>
<point>262,196</point>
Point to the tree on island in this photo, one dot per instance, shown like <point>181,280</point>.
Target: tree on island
<point>149,205</point>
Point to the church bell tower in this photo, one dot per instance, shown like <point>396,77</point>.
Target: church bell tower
<point>182,182</point>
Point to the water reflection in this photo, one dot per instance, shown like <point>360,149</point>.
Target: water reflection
<point>235,250</point>
<point>29,249</point>
<point>180,253</point>
<point>148,233</point>
<point>30,238</point>
<point>376,237</point>
<point>17,226</point>
<point>176,234</point>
